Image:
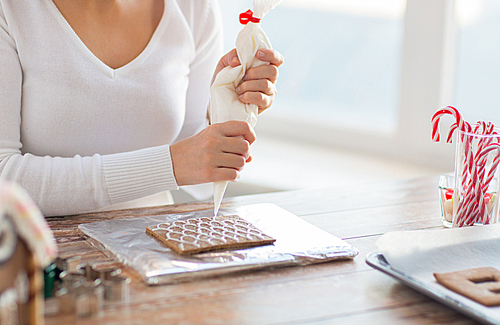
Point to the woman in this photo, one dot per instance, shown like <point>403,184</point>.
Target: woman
<point>105,101</point>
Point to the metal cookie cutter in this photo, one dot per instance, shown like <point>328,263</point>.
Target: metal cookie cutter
<point>84,288</point>
<point>79,296</point>
<point>117,288</point>
<point>68,264</point>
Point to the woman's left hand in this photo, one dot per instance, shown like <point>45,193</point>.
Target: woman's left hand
<point>259,83</point>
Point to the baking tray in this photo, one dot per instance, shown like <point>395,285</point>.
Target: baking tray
<point>297,243</point>
<point>486,315</point>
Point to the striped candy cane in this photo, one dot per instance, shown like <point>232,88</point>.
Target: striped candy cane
<point>472,208</point>
<point>437,116</point>
<point>475,180</point>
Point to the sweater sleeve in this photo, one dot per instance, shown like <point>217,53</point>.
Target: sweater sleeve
<point>70,185</point>
<point>206,25</point>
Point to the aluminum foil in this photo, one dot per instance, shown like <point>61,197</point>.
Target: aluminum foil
<point>297,243</point>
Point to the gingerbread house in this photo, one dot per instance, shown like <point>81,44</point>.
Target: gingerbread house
<point>27,246</point>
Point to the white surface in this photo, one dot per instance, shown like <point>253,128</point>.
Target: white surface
<point>424,252</point>
<point>421,253</point>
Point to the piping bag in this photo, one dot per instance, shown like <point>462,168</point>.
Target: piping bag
<point>224,102</point>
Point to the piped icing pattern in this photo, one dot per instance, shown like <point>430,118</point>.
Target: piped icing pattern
<point>209,233</point>
<point>17,206</point>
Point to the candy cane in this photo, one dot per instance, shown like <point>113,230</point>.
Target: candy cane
<point>473,204</point>
<point>475,180</point>
<point>476,210</point>
<point>467,144</point>
<point>465,200</point>
<point>484,147</point>
<point>491,173</point>
<point>466,205</point>
<point>470,214</point>
<point>469,205</point>
<point>466,127</point>
<point>468,159</point>
<point>468,153</point>
<point>454,127</point>
<point>437,116</point>
<point>486,129</point>
<point>471,161</point>
<point>480,124</point>
<point>493,168</point>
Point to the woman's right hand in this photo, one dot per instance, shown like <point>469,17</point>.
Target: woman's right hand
<point>218,153</point>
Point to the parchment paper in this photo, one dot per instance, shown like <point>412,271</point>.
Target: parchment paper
<point>419,254</point>
<point>297,243</point>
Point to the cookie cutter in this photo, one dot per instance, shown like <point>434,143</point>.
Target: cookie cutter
<point>68,264</point>
<point>82,288</point>
<point>116,287</point>
<point>81,298</point>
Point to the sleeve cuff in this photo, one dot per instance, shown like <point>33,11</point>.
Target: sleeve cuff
<point>136,174</point>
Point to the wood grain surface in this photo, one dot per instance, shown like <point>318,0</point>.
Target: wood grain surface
<point>339,292</point>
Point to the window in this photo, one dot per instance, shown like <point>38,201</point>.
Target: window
<point>340,58</point>
<point>477,80</point>
<point>367,75</point>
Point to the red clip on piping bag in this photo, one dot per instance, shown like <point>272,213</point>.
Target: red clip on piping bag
<point>247,16</point>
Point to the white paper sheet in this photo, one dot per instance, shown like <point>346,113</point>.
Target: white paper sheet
<point>421,253</point>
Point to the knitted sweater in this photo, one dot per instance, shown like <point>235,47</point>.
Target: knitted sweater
<point>80,136</point>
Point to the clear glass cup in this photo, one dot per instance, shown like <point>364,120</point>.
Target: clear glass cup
<point>446,185</point>
<point>446,190</point>
<point>474,197</point>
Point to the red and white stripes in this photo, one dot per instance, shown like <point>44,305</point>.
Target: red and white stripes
<point>478,142</point>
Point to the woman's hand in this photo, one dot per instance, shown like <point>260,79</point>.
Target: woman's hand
<point>259,84</point>
<point>218,153</point>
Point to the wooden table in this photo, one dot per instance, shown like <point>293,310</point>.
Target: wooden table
<point>339,292</point>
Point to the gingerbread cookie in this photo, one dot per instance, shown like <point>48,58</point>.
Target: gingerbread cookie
<point>481,285</point>
<point>208,234</point>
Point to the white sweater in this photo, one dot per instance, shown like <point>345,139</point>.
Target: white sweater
<point>79,135</point>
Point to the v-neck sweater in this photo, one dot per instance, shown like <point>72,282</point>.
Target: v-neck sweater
<point>79,135</point>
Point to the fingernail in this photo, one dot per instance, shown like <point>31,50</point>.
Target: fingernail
<point>240,96</point>
<point>237,177</point>
<point>235,60</point>
<point>260,54</point>
<point>238,89</point>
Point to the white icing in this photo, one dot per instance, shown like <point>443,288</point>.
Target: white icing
<point>8,238</point>
<point>219,190</point>
<point>209,231</point>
